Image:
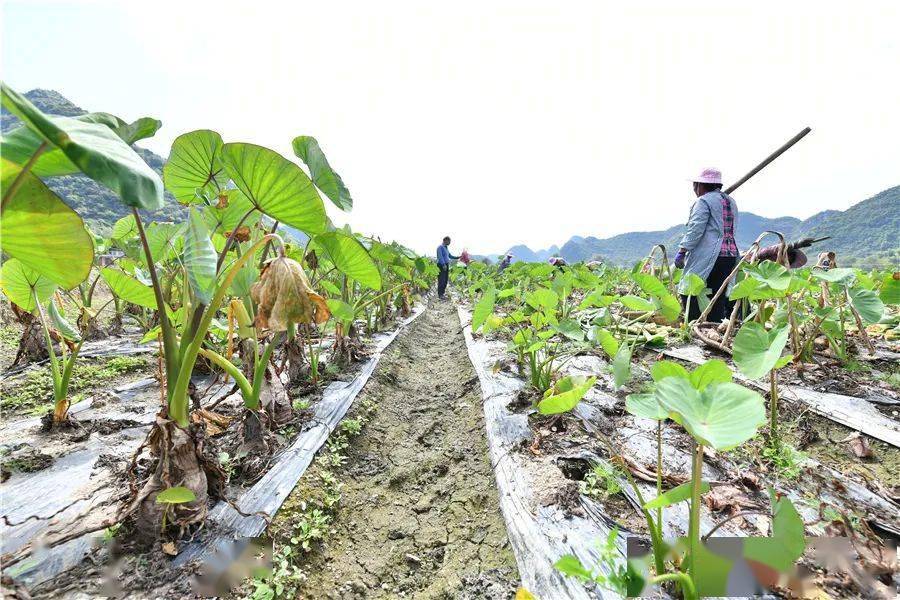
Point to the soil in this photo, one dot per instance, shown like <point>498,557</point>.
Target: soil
<point>418,515</point>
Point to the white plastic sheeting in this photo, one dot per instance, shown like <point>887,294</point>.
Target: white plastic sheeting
<point>80,479</point>
<point>538,535</point>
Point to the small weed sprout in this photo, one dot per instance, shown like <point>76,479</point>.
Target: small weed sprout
<point>601,482</point>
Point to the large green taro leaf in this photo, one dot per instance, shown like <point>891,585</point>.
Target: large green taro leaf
<point>773,275</point>
<point>890,289</point>
<point>276,186</point>
<point>22,142</point>
<point>93,148</point>
<point>350,257</point>
<point>195,166</point>
<point>844,275</point>
<point>20,283</point>
<point>722,416</point>
<point>326,179</point>
<point>39,229</point>
<point>128,288</point>
<point>483,308</point>
<point>757,351</point>
<point>542,298</point>
<point>867,304</point>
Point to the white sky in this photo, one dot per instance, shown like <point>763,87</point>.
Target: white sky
<point>501,122</point>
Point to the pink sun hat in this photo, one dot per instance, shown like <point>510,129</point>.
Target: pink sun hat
<point>709,176</point>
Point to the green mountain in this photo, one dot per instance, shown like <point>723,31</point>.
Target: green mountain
<point>97,205</point>
<point>865,235</point>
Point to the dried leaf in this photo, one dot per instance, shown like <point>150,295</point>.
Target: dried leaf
<point>170,548</point>
<point>241,234</point>
<point>223,201</point>
<point>859,445</point>
<point>214,422</point>
<point>284,296</point>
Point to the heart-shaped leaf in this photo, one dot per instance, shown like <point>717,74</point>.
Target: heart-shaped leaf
<point>128,288</point>
<point>194,168</point>
<point>712,371</point>
<point>276,186</point>
<point>722,416</point>
<point>867,304</point>
<point>39,229</point>
<point>667,368</point>
<point>351,258</point>
<point>483,308</point>
<point>571,329</point>
<point>890,289</point>
<point>757,351</point>
<point>542,298</point>
<point>124,229</point>
<point>20,283</point>
<point>691,285</point>
<point>341,311</point>
<point>637,303</point>
<point>842,276</point>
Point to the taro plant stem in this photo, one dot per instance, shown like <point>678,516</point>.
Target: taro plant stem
<point>694,524</point>
<point>773,410</point>
<point>178,398</point>
<point>168,333</point>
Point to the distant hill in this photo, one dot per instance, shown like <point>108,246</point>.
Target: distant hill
<point>99,206</point>
<point>867,235</point>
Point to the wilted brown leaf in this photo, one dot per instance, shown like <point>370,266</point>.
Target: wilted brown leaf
<point>223,201</point>
<point>858,445</point>
<point>170,548</point>
<point>284,296</point>
<point>241,234</point>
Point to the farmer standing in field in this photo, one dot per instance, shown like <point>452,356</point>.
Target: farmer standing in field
<point>708,248</point>
<point>443,263</point>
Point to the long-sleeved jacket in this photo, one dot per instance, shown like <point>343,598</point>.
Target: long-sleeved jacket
<point>703,235</point>
<point>444,256</point>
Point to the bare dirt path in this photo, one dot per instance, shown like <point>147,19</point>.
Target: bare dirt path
<point>418,515</point>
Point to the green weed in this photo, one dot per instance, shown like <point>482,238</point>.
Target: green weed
<point>601,482</point>
<point>34,393</point>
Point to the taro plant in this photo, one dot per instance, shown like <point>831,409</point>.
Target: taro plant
<point>717,414</point>
<point>48,240</point>
<point>31,291</point>
<point>757,353</point>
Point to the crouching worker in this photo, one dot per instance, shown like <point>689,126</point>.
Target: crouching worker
<point>443,262</point>
<point>708,248</point>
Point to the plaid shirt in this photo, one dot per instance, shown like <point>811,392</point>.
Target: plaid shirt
<point>729,246</point>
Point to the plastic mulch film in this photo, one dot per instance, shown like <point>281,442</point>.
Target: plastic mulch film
<point>270,492</point>
<point>79,490</point>
<point>539,534</point>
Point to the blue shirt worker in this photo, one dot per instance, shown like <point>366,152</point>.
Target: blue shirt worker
<point>443,262</point>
